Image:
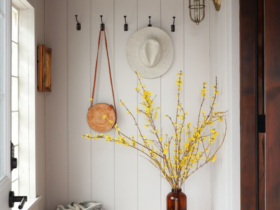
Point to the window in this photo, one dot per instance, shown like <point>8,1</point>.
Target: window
<point>15,94</point>
<point>23,87</point>
<point>2,91</point>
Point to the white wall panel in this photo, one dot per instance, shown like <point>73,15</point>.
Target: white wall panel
<point>103,153</point>
<point>56,105</point>
<point>197,72</point>
<point>217,66</point>
<point>126,176</point>
<point>79,78</point>
<point>224,57</point>
<point>149,181</point>
<point>169,88</point>
<point>117,176</point>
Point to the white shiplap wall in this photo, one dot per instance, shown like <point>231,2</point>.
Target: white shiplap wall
<point>78,169</point>
<point>224,64</point>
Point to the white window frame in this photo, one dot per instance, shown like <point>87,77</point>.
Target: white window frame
<point>27,89</point>
<point>12,76</point>
<point>5,180</point>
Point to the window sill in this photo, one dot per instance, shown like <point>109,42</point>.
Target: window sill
<point>29,204</point>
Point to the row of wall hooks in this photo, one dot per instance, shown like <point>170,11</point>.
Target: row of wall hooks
<point>102,25</point>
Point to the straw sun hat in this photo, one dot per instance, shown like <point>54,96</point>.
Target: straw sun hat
<point>150,52</point>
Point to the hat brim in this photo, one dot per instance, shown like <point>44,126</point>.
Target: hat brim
<point>134,60</point>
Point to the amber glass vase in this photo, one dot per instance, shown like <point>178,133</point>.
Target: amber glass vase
<point>176,200</point>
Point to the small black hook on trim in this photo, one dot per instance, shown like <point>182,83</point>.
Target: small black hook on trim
<point>102,25</point>
<point>150,25</point>
<point>125,24</point>
<point>79,26</point>
<point>173,26</point>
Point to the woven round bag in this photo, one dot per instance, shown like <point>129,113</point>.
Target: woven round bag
<point>102,117</point>
<point>95,117</point>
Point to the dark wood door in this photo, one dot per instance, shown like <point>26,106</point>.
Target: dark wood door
<point>272,103</point>
<point>260,95</point>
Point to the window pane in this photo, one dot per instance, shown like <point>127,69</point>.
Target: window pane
<point>15,128</point>
<point>15,171</point>
<point>14,94</point>
<point>15,25</point>
<point>14,59</point>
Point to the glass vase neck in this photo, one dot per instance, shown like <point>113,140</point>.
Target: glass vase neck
<point>176,190</point>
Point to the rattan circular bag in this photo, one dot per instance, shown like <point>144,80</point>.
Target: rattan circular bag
<point>102,117</point>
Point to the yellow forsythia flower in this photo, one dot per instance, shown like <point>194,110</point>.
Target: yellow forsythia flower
<point>137,89</point>
<point>214,158</point>
<point>104,116</point>
<point>90,99</point>
<point>108,137</point>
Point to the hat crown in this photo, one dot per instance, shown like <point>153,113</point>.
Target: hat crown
<point>150,53</point>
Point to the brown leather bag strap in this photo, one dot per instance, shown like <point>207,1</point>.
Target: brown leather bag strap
<point>96,65</point>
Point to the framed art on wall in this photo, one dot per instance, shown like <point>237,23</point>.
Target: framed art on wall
<point>44,68</point>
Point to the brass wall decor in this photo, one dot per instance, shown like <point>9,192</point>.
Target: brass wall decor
<point>217,4</point>
<point>197,10</point>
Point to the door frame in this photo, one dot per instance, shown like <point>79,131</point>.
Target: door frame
<point>5,182</point>
<point>251,66</point>
<point>7,108</point>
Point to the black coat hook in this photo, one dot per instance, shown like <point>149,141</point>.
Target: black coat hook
<point>79,26</point>
<point>150,25</point>
<point>102,25</point>
<point>125,24</point>
<point>173,26</point>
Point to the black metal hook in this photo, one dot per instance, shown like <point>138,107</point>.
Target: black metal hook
<point>102,25</point>
<point>150,25</point>
<point>125,24</point>
<point>173,26</point>
<point>79,26</point>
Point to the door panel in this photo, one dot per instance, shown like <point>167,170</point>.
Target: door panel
<point>5,182</point>
<point>248,104</point>
<point>272,100</point>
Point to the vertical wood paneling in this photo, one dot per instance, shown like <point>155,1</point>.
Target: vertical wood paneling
<point>197,187</point>
<point>248,106</point>
<point>79,75</point>
<point>112,174</point>
<point>224,63</point>
<point>56,105</point>
<point>272,102</point>
<point>103,153</point>
<point>126,176</point>
<point>169,88</point>
<point>218,65</point>
<point>149,181</point>
<point>40,112</point>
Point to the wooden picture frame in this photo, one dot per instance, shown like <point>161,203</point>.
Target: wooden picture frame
<point>44,68</point>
